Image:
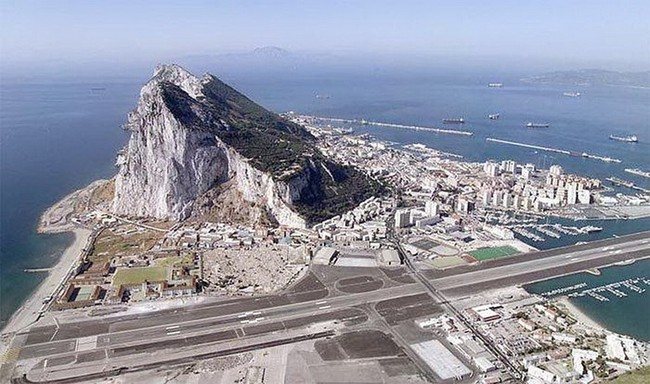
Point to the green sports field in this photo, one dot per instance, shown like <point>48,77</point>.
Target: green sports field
<point>483,254</point>
<point>139,275</point>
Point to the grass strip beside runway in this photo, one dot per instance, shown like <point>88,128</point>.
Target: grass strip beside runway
<point>483,254</point>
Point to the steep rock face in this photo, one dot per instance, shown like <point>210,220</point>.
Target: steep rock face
<point>258,186</point>
<point>166,163</point>
<point>190,135</point>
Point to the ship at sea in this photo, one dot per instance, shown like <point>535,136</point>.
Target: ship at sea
<point>459,120</point>
<point>494,116</point>
<point>495,85</point>
<point>537,125</point>
<point>627,139</point>
<point>571,94</point>
<point>638,172</point>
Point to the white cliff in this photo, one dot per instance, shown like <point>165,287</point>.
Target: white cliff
<point>174,156</point>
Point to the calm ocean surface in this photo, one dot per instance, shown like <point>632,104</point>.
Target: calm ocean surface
<point>627,315</point>
<point>58,137</point>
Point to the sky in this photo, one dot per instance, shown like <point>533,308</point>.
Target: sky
<point>591,33</point>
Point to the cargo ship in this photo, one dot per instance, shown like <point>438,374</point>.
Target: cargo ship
<point>495,85</point>
<point>571,94</point>
<point>454,121</point>
<point>494,116</point>
<point>638,172</point>
<point>537,125</point>
<point>626,139</point>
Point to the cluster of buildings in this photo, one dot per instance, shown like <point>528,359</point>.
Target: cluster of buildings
<point>364,226</point>
<point>518,187</point>
<point>108,276</point>
<point>551,346</point>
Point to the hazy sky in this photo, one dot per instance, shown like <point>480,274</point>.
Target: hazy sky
<point>585,32</point>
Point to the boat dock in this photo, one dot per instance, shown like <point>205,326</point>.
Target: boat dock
<point>556,150</point>
<point>560,291</point>
<point>549,230</point>
<point>617,289</point>
<point>400,126</point>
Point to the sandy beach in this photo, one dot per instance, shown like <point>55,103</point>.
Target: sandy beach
<point>29,311</point>
<point>578,314</point>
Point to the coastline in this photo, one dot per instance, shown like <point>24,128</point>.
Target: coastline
<point>578,314</point>
<point>28,312</point>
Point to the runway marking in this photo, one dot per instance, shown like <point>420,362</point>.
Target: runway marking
<point>86,343</point>
<point>173,333</point>
<point>325,307</point>
<point>321,302</point>
<point>256,313</point>
<point>245,321</point>
<point>173,327</point>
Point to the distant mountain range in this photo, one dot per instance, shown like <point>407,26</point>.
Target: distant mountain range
<point>263,59</point>
<point>593,77</point>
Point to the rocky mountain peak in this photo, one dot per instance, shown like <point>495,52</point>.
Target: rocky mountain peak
<point>177,75</point>
<point>191,137</point>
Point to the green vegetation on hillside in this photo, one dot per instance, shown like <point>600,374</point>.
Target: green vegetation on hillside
<point>273,145</point>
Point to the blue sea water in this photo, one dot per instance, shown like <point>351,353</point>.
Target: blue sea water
<point>59,136</point>
<point>54,138</point>
<point>626,315</point>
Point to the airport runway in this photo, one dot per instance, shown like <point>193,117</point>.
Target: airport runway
<point>47,341</point>
<point>157,337</point>
<point>537,266</point>
<point>594,245</point>
<point>518,272</point>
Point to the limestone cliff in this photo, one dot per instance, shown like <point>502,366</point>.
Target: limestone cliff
<point>190,135</point>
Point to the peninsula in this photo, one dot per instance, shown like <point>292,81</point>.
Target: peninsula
<point>238,245</point>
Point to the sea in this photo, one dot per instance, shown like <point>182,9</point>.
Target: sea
<point>57,136</point>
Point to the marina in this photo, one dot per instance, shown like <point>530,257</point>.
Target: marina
<point>560,291</point>
<point>539,232</point>
<point>616,289</point>
<point>555,150</point>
